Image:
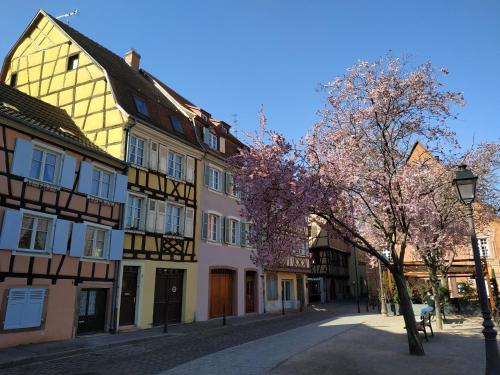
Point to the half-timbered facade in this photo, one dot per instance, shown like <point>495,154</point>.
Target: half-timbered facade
<point>60,240</point>
<point>120,108</point>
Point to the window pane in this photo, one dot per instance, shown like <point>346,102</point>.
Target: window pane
<point>26,232</point>
<point>106,182</point>
<point>96,178</point>
<point>89,242</point>
<point>50,167</point>
<point>140,151</point>
<point>42,228</point>
<point>99,243</point>
<point>36,164</point>
<point>132,148</point>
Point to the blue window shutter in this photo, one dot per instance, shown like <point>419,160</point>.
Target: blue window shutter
<point>120,194</point>
<point>204,230</point>
<point>21,163</point>
<point>68,172</point>
<point>206,174</point>
<point>85,179</point>
<point>11,227</point>
<point>34,308</point>
<point>77,240</point>
<point>24,308</point>
<point>116,244</point>
<point>61,234</point>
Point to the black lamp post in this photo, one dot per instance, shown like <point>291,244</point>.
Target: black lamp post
<point>465,184</point>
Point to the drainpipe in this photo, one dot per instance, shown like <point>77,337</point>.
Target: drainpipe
<point>118,264</point>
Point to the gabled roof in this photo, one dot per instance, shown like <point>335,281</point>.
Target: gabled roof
<point>17,105</point>
<point>127,82</point>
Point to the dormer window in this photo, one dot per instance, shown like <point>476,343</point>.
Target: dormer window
<point>176,124</point>
<point>204,117</point>
<point>72,62</point>
<point>140,104</point>
<point>212,140</point>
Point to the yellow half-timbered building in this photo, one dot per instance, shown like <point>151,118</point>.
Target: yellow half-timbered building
<point>124,111</point>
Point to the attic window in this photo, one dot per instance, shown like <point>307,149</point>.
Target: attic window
<point>176,123</point>
<point>141,106</point>
<point>204,117</point>
<point>73,62</point>
<point>13,80</point>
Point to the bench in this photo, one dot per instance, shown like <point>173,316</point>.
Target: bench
<point>425,321</point>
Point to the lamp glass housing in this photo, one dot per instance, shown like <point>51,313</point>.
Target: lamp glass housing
<point>465,184</point>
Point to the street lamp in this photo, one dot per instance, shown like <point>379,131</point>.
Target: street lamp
<point>465,184</point>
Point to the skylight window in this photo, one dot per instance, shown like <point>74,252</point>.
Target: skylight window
<point>141,106</point>
<point>176,123</point>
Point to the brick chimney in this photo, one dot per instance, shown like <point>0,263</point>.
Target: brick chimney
<point>133,59</point>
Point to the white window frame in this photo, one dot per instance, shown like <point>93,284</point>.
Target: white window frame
<point>211,181</point>
<point>210,227</point>
<point>168,230</point>
<point>162,148</point>
<point>141,212</point>
<point>154,155</point>
<point>107,234</point>
<point>484,248</point>
<point>174,169</point>
<point>50,231</point>
<point>212,140</point>
<point>37,146</point>
<point>112,179</point>
<point>136,148</point>
<point>234,225</point>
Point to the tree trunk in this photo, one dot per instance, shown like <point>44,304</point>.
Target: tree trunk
<point>437,306</point>
<point>414,342</point>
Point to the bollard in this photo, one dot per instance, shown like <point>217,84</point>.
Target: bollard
<point>224,314</point>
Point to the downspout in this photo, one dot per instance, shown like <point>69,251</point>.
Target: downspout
<point>118,265</point>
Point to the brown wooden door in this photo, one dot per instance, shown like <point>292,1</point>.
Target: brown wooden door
<point>221,292</point>
<point>168,291</point>
<point>128,295</point>
<point>250,284</point>
<point>92,310</point>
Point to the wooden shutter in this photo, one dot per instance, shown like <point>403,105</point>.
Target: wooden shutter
<point>23,153</point>
<point>189,222</point>
<point>68,172</point>
<point>153,155</point>
<point>205,134</point>
<point>206,174</point>
<point>77,240</point>
<point>116,244</point>
<point>220,232</point>
<point>120,192</point>
<point>61,234</point>
<point>227,230</point>
<point>85,179</point>
<point>161,213</point>
<point>238,231</point>
<point>151,215</point>
<point>227,185</point>
<point>163,158</point>
<point>24,308</point>
<point>204,229</point>
<point>222,145</point>
<point>190,167</point>
<point>11,228</point>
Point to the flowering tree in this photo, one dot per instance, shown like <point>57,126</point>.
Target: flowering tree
<point>351,169</point>
<point>440,231</point>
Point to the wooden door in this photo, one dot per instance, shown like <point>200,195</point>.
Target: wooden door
<point>250,285</point>
<point>221,292</point>
<point>92,310</point>
<point>128,295</point>
<point>168,291</point>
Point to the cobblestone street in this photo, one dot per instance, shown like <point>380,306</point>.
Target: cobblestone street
<point>184,343</point>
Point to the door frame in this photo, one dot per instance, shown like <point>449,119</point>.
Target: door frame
<point>183,290</point>
<point>236,310</point>
<point>108,305</point>
<point>137,293</point>
<point>256,293</point>
<point>138,297</point>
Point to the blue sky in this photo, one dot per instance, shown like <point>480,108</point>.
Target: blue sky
<point>229,57</point>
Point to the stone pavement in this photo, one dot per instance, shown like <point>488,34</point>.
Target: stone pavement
<point>149,351</point>
<point>351,344</point>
